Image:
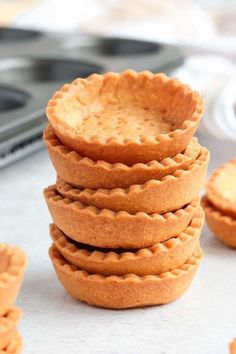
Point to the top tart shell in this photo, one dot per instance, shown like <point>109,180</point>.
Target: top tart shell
<point>13,263</point>
<point>221,188</point>
<point>129,117</point>
<point>83,172</point>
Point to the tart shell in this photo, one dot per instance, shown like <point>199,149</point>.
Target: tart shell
<point>83,172</point>
<point>127,291</point>
<point>14,261</point>
<point>15,346</point>
<point>155,196</point>
<point>175,102</point>
<point>106,228</point>
<point>220,185</point>
<point>160,258</point>
<point>232,347</point>
<point>223,226</point>
<point>8,324</point>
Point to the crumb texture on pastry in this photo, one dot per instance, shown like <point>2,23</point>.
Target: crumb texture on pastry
<point>127,105</point>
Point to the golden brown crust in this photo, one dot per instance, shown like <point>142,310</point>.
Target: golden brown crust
<point>105,228</point>
<point>15,346</point>
<point>155,196</point>
<point>126,291</point>
<point>221,188</point>
<point>129,117</point>
<point>160,258</point>
<point>83,172</point>
<point>8,324</point>
<point>13,263</point>
<point>223,226</point>
<point>232,347</point>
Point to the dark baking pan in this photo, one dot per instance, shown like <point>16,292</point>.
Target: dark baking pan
<point>11,99</point>
<point>34,70</point>
<point>33,81</point>
<point>34,64</point>
<point>26,84</point>
<point>16,41</point>
<point>13,35</point>
<point>117,54</point>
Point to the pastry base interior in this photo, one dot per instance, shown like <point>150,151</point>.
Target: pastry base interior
<point>125,118</point>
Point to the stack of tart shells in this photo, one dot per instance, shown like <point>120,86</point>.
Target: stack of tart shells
<point>125,207</point>
<point>219,203</point>
<point>12,268</point>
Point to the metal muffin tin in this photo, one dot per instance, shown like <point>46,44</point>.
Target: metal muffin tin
<point>34,64</point>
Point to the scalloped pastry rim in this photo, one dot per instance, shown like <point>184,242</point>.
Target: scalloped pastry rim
<point>51,193</point>
<point>86,161</point>
<point>98,256</point>
<point>121,141</point>
<point>58,259</point>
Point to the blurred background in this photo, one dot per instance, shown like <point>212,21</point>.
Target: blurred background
<point>46,43</point>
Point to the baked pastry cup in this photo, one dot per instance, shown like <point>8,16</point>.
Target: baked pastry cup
<point>15,346</point>
<point>106,228</point>
<point>129,117</point>
<point>155,196</point>
<point>8,323</point>
<point>13,263</point>
<point>221,188</point>
<point>86,173</point>
<point>127,291</point>
<point>157,259</point>
<point>223,226</point>
<point>232,347</point>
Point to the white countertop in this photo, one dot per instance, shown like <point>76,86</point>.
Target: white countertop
<point>203,321</point>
